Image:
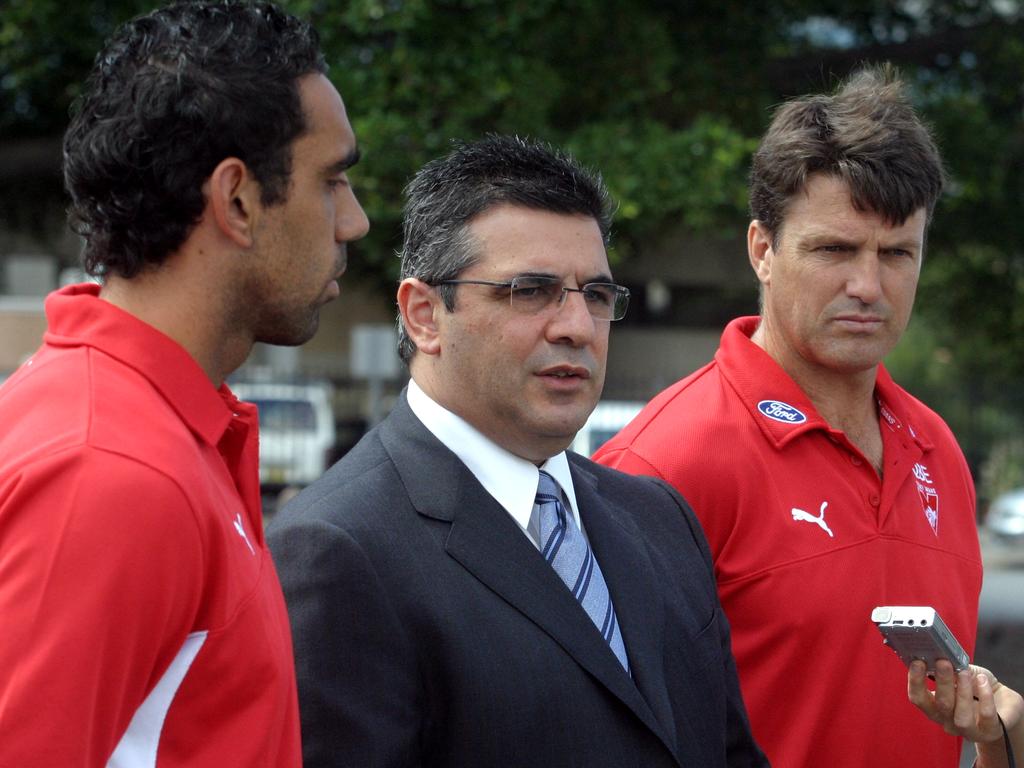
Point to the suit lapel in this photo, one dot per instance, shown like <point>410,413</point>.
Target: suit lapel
<point>636,594</point>
<point>486,541</point>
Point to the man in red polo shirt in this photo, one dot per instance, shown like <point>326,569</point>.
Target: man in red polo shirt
<point>143,622</point>
<point>824,488</point>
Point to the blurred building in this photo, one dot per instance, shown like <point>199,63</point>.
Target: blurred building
<point>684,290</point>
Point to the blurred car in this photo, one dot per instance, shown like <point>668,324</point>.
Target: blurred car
<point>1005,518</point>
<point>297,430</point>
<point>604,423</point>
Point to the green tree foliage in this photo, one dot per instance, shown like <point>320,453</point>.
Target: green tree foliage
<point>667,99</point>
<point>624,85</point>
<point>46,49</point>
<point>637,90</point>
<point>971,295</point>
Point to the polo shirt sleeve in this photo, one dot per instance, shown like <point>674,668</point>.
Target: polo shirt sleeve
<point>690,459</point>
<point>618,456</point>
<point>100,581</point>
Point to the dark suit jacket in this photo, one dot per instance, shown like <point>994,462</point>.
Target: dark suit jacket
<point>429,631</point>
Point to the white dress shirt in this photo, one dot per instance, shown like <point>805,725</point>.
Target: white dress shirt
<point>511,480</point>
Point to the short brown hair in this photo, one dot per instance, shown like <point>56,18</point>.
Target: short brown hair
<point>866,134</point>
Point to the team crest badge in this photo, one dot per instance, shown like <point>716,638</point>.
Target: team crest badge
<point>929,496</point>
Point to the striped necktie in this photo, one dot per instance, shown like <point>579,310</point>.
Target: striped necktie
<point>566,549</point>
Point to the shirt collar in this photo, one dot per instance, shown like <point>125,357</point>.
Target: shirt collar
<point>511,480</point>
<point>776,403</point>
<point>893,407</point>
<point>77,317</point>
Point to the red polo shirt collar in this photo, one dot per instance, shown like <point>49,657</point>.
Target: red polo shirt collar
<point>78,317</point>
<point>778,406</point>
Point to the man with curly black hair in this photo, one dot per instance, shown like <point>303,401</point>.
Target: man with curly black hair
<point>143,619</point>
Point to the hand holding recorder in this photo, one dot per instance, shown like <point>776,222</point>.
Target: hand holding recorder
<point>970,703</point>
<point>967,700</point>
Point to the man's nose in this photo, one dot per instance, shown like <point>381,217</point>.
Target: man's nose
<point>865,280</point>
<point>572,321</point>
<point>351,222</point>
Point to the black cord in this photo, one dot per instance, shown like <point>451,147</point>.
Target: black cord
<point>1006,741</point>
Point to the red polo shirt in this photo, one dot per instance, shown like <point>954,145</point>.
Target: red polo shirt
<point>807,540</point>
<point>143,622</point>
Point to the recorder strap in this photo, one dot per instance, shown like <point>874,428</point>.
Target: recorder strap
<point>1006,741</point>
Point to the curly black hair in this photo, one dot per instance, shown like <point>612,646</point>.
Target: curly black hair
<point>170,96</point>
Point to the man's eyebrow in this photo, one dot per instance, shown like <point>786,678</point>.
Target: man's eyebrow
<point>910,244</point>
<point>816,238</point>
<point>599,278</point>
<point>342,165</point>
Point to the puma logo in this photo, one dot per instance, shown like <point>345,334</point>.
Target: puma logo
<point>807,517</point>
<point>241,532</point>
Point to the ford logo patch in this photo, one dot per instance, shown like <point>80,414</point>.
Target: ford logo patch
<point>779,411</point>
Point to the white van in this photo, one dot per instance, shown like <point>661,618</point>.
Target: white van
<point>297,432</point>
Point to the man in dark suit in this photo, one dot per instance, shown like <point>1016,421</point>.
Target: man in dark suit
<point>462,591</point>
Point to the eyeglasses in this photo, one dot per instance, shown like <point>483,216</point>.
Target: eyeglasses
<point>532,294</point>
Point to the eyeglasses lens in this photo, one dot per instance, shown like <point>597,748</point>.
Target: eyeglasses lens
<point>533,294</point>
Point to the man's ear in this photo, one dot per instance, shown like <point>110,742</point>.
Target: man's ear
<point>760,250</point>
<point>233,199</point>
<point>420,307</point>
